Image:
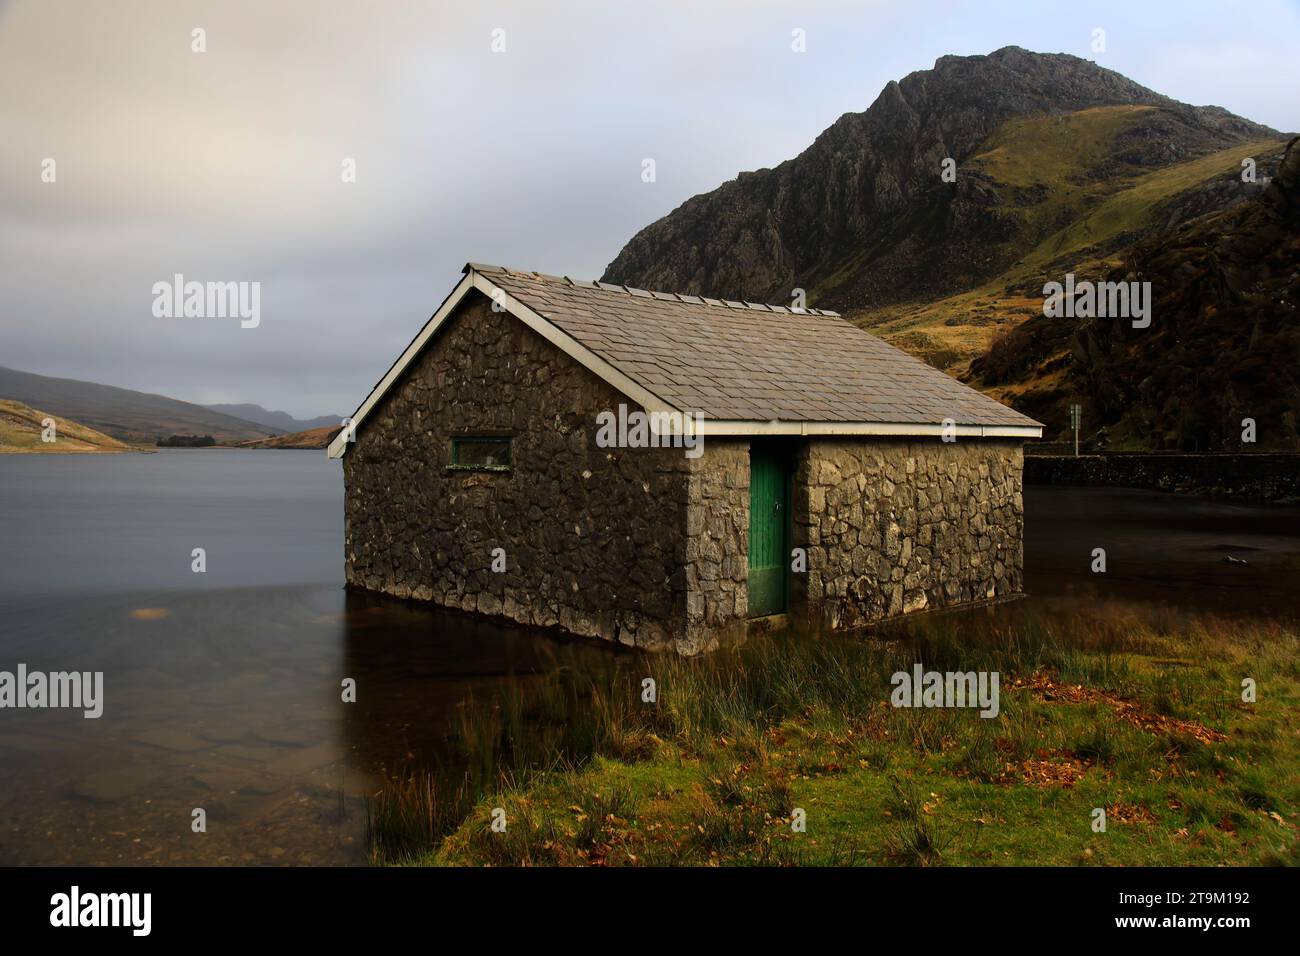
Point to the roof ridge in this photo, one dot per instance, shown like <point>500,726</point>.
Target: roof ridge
<point>663,296</point>
<point>750,371</point>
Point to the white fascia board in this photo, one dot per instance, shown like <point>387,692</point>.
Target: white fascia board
<point>339,446</point>
<point>718,427</point>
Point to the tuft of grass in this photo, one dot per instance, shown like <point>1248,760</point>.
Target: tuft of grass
<point>412,814</point>
<point>1098,744</point>
<point>916,839</point>
<point>599,811</point>
<point>982,759</point>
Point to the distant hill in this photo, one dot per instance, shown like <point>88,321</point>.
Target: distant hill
<point>127,415</point>
<point>282,421</point>
<point>21,428</point>
<point>310,438</point>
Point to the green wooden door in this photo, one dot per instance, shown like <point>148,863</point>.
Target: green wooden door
<point>768,548</point>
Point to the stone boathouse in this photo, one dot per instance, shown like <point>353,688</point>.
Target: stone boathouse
<point>795,465</point>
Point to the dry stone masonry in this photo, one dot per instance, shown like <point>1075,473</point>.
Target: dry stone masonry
<point>893,527</point>
<point>594,538</point>
<point>651,546</point>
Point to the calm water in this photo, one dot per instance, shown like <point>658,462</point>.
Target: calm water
<point>1164,548</point>
<point>222,688</point>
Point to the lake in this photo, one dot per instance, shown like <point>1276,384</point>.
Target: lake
<point>222,689</point>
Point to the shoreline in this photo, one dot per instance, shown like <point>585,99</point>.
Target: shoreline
<point>13,450</point>
<point>1263,476</point>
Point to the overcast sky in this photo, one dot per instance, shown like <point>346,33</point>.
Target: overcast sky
<point>226,165</point>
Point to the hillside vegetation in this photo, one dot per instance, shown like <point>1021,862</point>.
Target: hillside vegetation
<point>1223,346</point>
<point>1101,219</point>
<point>311,438</point>
<point>21,429</point>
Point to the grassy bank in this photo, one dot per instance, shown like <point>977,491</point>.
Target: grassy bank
<point>1135,712</point>
<point>22,429</point>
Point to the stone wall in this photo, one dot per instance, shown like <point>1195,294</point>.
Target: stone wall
<point>717,545</point>
<point>646,546</point>
<point>595,539</point>
<point>1264,477</point>
<point>895,526</point>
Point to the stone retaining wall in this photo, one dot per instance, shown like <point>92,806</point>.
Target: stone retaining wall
<point>1268,477</point>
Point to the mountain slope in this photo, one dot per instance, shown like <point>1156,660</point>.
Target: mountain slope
<point>862,220</point>
<point>1084,231</point>
<point>281,421</point>
<point>1223,346</point>
<point>308,438</point>
<point>22,427</point>
<point>122,413</point>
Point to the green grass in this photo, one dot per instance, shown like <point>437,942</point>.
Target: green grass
<point>1054,151</point>
<point>1135,712</point>
<point>21,428</point>
<point>1136,205</point>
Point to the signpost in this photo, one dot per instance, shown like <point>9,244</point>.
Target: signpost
<point>1076,413</point>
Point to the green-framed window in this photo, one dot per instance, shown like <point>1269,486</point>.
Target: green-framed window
<point>481,452</point>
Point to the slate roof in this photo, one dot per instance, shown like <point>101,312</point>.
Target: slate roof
<point>742,361</point>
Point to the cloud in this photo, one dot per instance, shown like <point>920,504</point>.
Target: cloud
<point>225,165</point>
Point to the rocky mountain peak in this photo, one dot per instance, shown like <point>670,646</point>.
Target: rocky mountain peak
<point>861,218</point>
